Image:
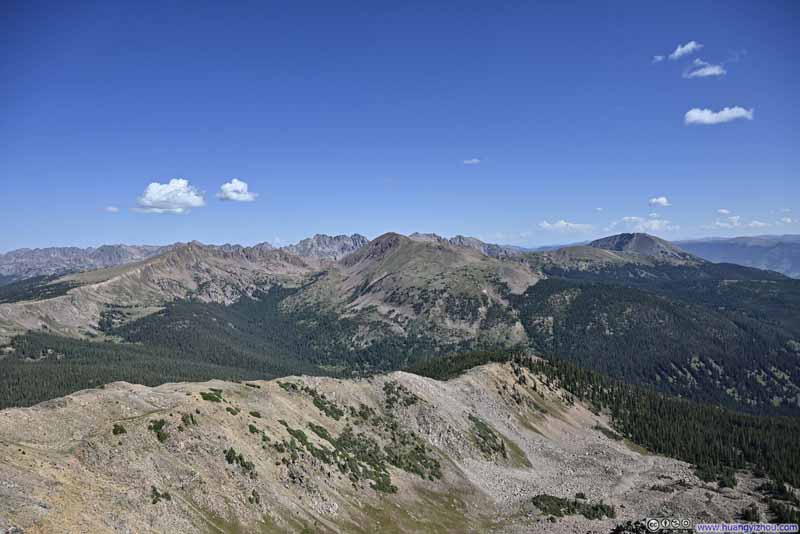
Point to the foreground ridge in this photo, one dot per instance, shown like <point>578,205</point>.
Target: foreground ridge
<point>498,448</point>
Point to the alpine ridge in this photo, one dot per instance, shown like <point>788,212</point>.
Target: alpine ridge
<point>488,451</point>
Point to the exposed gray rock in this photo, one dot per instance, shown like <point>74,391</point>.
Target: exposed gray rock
<point>327,247</point>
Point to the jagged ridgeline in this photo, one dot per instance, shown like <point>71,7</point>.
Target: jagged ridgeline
<point>631,306</point>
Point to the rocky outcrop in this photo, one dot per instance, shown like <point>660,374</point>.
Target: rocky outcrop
<point>327,247</point>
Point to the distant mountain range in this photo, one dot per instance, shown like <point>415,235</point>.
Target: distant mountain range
<point>27,263</point>
<point>631,305</point>
<point>779,253</point>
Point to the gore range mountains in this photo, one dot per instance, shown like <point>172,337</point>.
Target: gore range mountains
<point>632,306</point>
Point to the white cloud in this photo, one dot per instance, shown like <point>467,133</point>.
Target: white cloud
<point>640,224</point>
<point>706,116</point>
<point>236,190</point>
<point>723,211</point>
<point>598,209</point>
<point>787,220</point>
<point>111,209</point>
<point>702,69</point>
<point>658,59</point>
<point>472,161</point>
<point>686,49</point>
<point>176,196</point>
<point>659,201</point>
<point>653,215</point>
<point>735,221</point>
<point>564,226</point>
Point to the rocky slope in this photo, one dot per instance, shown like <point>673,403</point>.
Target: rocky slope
<point>404,285</point>
<point>394,453</point>
<point>326,247</point>
<point>205,273</point>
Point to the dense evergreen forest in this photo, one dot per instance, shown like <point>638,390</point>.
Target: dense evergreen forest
<point>36,288</point>
<point>194,341</point>
<point>46,366</point>
<point>737,344</point>
<point>255,329</point>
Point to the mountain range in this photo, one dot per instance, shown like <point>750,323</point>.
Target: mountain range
<point>633,306</point>
<point>779,253</point>
<point>775,253</point>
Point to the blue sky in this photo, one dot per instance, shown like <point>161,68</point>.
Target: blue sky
<point>511,122</point>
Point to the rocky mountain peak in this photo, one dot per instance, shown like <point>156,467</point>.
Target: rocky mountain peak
<point>322,246</point>
<point>427,237</point>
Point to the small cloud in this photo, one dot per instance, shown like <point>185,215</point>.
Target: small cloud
<point>735,221</point>
<point>658,59</point>
<point>723,211</point>
<point>786,210</point>
<point>684,50</point>
<point>706,116</point>
<point>176,196</point>
<point>111,209</point>
<point>236,190</point>
<point>472,161</point>
<point>564,226</point>
<point>640,224</point>
<point>598,209</point>
<point>702,69</point>
<point>659,201</point>
<point>787,220</point>
<point>653,215</point>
